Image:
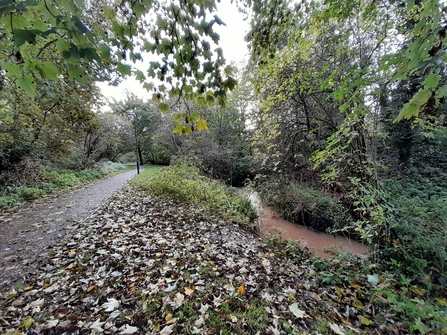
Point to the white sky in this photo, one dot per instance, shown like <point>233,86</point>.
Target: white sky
<point>231,41</point>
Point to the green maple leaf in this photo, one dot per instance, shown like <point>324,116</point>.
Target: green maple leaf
<point>178,128</point>
<point>431,81</point>
<point>12,70</point>
<point>27,84</point>
<point>124,69</point>
<point>47,70</point>
<point>163,107</point>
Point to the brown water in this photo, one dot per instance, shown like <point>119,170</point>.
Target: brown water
<point>270,223</point>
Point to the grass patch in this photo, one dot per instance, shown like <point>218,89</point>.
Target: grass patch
<point>183,184</point>
<point>54,180</point>
<point>146,173</point>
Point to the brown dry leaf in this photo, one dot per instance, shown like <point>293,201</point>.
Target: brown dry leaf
<point>355,284</point>
<point>91,288</point>
<point>71,266</point>
<point>179,298</point>
<point>417,290</point>
<point>189,290</point>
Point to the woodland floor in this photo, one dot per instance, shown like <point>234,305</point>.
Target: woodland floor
<point>144,266</point>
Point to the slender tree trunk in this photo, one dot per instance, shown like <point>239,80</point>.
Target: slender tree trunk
<point>140,156</point>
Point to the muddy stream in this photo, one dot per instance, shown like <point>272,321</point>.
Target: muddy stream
<point>271,224</point>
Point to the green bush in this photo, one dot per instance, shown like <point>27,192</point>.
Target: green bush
<point>8,201</point>
<point>89,175</point>
<point>418,236</point>
<point>183,184</point>
<point>30,193</point>
<point>61,178</point>
<point>301,204</point>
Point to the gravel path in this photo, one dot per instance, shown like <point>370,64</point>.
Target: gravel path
<point>27,235</point>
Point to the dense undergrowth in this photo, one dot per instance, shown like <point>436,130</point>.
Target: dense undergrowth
<point>418,235</point>
<point>184,184</point>
<point>411,241</point>
<point>52,180</point>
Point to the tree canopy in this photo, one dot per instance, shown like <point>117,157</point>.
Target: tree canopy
<point>41,39</point>
<point>103,39</point>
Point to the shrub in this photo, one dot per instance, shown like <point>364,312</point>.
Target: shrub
<point>30,193</point>
<point>300,204</point>
<point>9,201</point>
<point>418,236</point>
<point>61,178</point>
<point>183,184</point>
<point>89,175</point>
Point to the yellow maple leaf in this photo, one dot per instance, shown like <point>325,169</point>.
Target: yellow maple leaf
<point>156,327</point>
<point>364,321</point>
<point>358,304</point>
<point>201,125</point>
<point>355,284</point>
<point>417,290</point>
<point>168,317</point>
<point>27,322</point>
<point>442,301</point>
<point>241,290</point>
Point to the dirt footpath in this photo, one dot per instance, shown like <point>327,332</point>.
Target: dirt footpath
<point>27,235</point>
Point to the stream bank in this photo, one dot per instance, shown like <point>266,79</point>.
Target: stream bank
<point>271,224</point>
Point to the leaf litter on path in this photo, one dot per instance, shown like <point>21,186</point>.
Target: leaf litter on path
<point>145,266</point>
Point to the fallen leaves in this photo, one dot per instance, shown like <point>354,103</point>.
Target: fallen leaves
<point>167,330</point>
<point>296,311</point>
<point>110,305</point>
<point>27,322</point>
<point>241,290</point>
<point>144,266</point>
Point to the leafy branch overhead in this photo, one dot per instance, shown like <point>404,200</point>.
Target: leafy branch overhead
<point>421,23</point>
<point>179,44</point>
<point>176,39</point>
